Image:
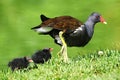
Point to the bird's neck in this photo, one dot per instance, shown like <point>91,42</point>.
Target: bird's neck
<point>90,27</point>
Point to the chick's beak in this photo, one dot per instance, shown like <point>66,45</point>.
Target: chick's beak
<point>51,49</point>
<point>29,59</point>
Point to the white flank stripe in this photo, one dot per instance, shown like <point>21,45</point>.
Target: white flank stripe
<point>44,29</point>
<point>79,29</point>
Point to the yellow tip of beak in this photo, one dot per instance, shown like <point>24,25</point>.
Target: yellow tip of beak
<point>105,22</point>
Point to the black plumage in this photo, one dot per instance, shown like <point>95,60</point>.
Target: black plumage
<point>18,63</point>
<point>78,40</point>
<point>42,56</point>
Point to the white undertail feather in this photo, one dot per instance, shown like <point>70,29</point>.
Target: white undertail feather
<point>58,39</point>
<point>43,29</point>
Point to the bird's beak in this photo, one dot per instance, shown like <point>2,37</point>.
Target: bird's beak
<point>29,59</point>
<point>102,20</point>
<point>51,49</point>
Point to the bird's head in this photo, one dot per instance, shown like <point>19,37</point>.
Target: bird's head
<point>48,49</point>
<point>96,17</point>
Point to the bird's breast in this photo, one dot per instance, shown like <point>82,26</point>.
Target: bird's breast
<point>80,39</point>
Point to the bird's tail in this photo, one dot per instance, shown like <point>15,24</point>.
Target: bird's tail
<point>43,18</point>
<point>36,27</point>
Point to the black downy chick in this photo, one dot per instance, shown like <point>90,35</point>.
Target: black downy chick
<point>42,56</point>
<point>20,63</point>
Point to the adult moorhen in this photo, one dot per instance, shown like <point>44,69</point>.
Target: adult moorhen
<point>68,31</point>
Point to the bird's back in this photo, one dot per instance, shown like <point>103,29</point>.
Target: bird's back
<point>62,23</point>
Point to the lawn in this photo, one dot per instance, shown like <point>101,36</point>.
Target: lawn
<point>87,67</point>
<point>18,16</point>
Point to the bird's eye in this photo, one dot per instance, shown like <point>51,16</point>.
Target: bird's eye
<point>97,17</point>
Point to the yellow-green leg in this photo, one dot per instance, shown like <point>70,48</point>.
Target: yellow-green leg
<point>63,50</point>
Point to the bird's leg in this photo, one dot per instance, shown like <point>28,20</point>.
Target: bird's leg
<point>63,50</point>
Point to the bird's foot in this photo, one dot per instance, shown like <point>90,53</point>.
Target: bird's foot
<point>63,54</point>
<point>60,52</point>
<point>66,60</point>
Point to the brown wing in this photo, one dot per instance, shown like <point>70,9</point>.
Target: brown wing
<point>62,23</point>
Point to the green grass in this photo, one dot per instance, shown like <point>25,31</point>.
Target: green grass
<point>17,40</point>
<point>87,67</point>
